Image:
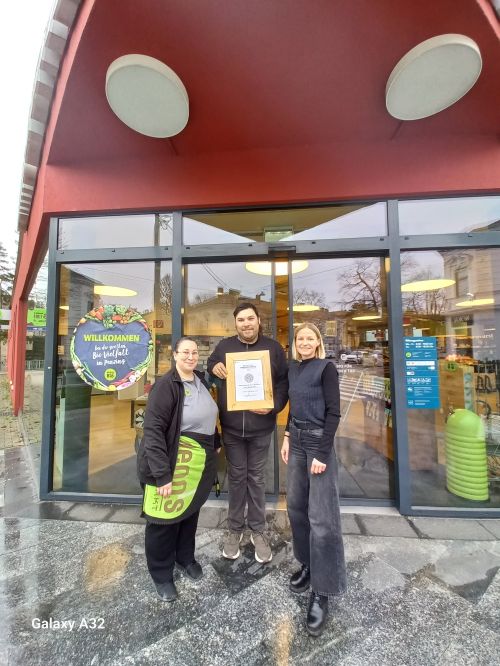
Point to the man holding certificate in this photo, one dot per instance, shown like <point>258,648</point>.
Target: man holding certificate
<point>254,373</point>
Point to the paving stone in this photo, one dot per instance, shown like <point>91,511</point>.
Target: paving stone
<point>492,525</point>
<point>241,612</point>
<point>267,607</point>
<point>90,512</point>
<point>417,631</point>
<point>349,524</point>
<point>379,576</point>
<point>487,609</point>
<point>387,526</point>
<point>451,528</point>
<point>466,564</point>
<point>212,516</point>
<point>472,646</point>
<point>126,514</point>
<point>405,555</point>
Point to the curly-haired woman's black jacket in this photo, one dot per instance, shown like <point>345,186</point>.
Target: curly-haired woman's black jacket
<point>157,452</point>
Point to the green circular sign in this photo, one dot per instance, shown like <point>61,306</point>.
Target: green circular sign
<point>110,374</point>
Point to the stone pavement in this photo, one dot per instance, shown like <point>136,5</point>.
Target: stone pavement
<point>421,590</point>
<point>10,429</point>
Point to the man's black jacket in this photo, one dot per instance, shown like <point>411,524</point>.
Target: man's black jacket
<point>246,423</point>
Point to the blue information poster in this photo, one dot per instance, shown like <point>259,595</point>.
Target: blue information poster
<point>421,372</point>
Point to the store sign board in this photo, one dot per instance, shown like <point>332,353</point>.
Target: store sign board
<point>421,373</point>
<point>111,347</point>
<point>37,317</point>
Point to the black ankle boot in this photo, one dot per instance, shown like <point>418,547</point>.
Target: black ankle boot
<point>317,614</point>
<point>299,581</point>
<point>166,591</point>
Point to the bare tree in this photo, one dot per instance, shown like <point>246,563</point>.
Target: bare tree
<point>6,277</point>
<point>202,298</point>
<point>166,293</point>
<point>309,296</point>
<point>361,285</point>
<point>428,302</point>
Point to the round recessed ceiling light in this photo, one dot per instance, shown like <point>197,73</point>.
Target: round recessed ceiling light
<point>427,285</point>
<point>475,302</point>
<point>147,95</point>
<point>281,267</point>
<point>110,290</point>
<point>305,307</point>
<point>432,76</point>
<point>366,317</point>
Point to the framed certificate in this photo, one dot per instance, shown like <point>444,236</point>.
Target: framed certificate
<point>249,383</point>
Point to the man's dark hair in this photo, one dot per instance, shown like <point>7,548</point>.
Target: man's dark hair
<point>245,306</point>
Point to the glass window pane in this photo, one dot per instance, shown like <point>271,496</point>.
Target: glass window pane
<point>347,300</point>
<point>212,293</point>
<point>453,389</point>
<point>273,226</point>
<point>97,430</point>
<point>115,231</point>
<point>441,216</point>
<point>35,355</point>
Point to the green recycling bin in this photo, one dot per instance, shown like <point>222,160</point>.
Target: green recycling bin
<point>466,462</point>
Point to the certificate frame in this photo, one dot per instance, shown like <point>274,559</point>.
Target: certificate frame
<point>232,359</point>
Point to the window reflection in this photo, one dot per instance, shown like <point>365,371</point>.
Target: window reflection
<point>97,431</point>
<point>346,299</point>
<point>440,216</point>
<point>273,226</point>
<point>115,231</point>
<point>461,320</point>
<point>212,291</point>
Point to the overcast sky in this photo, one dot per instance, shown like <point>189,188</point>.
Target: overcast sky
<point>24,24</point>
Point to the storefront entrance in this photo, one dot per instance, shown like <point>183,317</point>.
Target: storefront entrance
<point>408,313</point>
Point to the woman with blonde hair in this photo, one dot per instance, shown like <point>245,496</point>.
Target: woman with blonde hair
<point>312,483</point>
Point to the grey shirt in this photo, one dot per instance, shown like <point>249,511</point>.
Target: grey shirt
<point>200,410</point>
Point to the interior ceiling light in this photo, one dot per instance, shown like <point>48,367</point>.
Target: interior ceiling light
<point>109,290</point>
<point>147,95</point>
<point>475,302</point>
<point>305,307</point>
<point>366,317</point>
<point>432,76</point>
<point>64,307</point>
<point>265,267</point>
<point>427,285</point>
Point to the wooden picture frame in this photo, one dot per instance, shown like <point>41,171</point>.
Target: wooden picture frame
<point>249,382</point>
